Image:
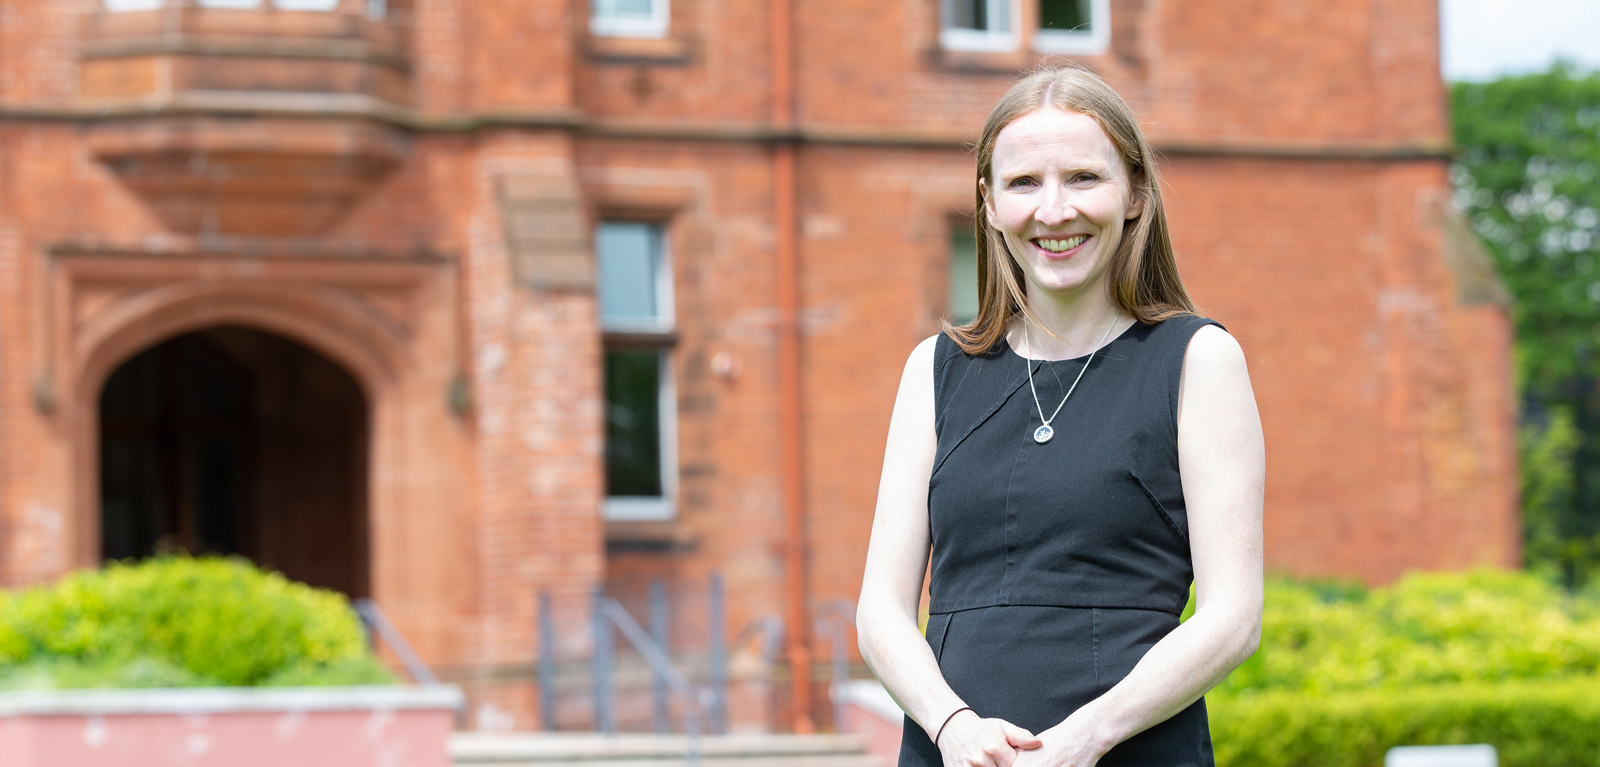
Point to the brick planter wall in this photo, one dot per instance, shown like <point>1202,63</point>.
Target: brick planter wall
<point>307,727</point>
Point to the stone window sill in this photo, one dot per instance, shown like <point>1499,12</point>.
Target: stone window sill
<point>646,536</point>
<point>984,62</point>
<point>639,50</point>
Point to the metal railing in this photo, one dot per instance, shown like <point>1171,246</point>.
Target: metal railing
<point>706,705</point>
<point>719,659</point>
<point>770,628</point>
<point>547,663</point>
<point>835,619</point>
<point>378,624</point>
<point>658,634</point>
<point>610,614</point>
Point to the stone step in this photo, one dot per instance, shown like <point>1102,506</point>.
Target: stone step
<point>648,750</point>
<point>681,760</point>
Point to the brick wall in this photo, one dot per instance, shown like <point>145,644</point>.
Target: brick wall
<point>1303,181</point>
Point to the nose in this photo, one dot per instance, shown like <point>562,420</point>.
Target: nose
<point>1055,206</point>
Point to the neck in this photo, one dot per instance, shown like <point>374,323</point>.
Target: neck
<point>1066,326</point>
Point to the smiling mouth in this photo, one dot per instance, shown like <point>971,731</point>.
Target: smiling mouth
<point>1062,245</point>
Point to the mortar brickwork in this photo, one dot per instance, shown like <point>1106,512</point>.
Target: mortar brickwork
<point>1305,182</point>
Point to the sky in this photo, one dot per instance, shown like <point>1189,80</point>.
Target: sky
<point>1483,39</point>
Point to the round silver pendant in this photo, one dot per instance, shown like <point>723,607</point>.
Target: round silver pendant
<point>1043,434</point>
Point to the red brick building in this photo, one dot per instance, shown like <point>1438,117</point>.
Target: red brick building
<point>446,302</point>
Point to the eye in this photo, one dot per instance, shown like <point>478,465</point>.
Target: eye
<point>1020,181</point>
<point>1085,178</point>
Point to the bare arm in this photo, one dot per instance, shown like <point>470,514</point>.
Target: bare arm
<point>897,559</point>
<point>1222,459</point>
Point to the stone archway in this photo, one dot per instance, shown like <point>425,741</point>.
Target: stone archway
<point>235,440</point>
<point>386,322</point>
<point>323,322</point>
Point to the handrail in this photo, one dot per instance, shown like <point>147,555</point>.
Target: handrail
<point>769,624</point>
<point>658,634</point>
<point>373,617</point>
<point>834,618</point>
<point>698,699</point>
<point>652,652</point>
<point>547,663</point>
<point>719,657</point>
<point>771,628</point>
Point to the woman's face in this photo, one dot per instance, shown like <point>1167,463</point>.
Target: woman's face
<point>1060,195</point>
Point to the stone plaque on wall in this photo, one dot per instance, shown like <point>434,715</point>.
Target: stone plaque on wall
<point>546,231</point>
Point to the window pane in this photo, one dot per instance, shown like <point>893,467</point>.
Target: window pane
<point>968,14</point>
<point>630,265</point>
<point>641,9</point>
<point>1065,15</point>
<point>999,16</point>
<point>633,423</point>
<point>132,5</point>
<point>963,274</point>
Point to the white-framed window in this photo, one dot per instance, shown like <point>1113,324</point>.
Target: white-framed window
<point>1080,27</point>
<point>629,18</point>
<point>635,278</point>
<point>636,313</point>
<point>978,25</point>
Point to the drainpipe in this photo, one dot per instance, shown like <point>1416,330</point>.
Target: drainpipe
<point>789,451</point>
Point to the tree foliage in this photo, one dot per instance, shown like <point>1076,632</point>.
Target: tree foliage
<point>1529,181</point>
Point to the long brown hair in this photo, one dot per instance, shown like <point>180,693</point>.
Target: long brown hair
<point>1144,269</point>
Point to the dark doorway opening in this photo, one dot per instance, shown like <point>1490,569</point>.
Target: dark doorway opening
<point>231,440</point>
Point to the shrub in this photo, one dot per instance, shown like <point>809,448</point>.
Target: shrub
<point>1427,628</point>
<point>57,673</point>
<point>179,621</point>
<point>352,671</point>
<point>1530,723</point>
<point>1345,673</point>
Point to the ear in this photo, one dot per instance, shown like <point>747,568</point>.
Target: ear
<point>988,203</point>
<point>1135,207</point>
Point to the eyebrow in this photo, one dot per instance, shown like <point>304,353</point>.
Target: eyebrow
<point>1095,168</point>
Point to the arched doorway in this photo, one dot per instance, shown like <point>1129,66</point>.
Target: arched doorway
<point>233,440</point>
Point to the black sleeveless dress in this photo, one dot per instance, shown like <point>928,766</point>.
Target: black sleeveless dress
<point>1057,566</point>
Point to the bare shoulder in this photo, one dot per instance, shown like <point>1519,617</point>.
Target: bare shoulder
<point>916,382</point>
<point>919,365</point>
<point>923,353</point>
<point>1214,355</point>
<point>1215,374</point>
<point>1215,382</point>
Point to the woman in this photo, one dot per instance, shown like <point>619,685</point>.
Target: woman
<point>1072,460</point>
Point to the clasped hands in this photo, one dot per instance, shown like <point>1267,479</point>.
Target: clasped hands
<point>969,740</point>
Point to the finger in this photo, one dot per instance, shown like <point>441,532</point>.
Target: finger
<point>1005,758</point>
<point>1020,738</point>
<point>997,751</point>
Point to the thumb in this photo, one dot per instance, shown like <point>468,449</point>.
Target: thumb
<point>1020,738</point>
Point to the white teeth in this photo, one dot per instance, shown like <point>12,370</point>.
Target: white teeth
<point>1059,246</point>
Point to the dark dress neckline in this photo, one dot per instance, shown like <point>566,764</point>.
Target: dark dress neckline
<point>1114,339</point>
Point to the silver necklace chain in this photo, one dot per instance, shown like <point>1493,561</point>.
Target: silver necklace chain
<point>1043,434</point>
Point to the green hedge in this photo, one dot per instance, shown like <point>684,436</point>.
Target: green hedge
<point>1426,628</point>
<point>1531,723</point>
<point>1345,673</point>
<point>178,621</point>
